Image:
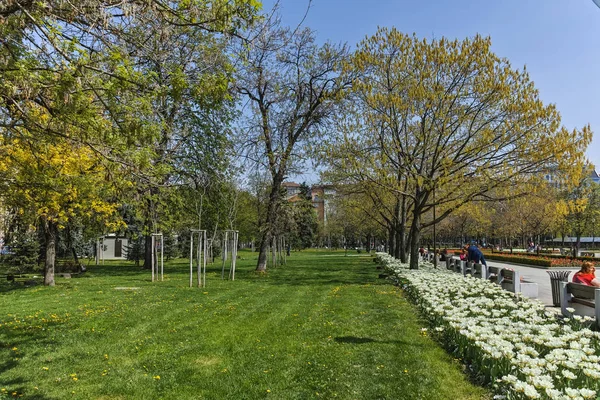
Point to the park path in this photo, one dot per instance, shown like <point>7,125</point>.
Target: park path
<point>533,274</point>
<point>537,275</point>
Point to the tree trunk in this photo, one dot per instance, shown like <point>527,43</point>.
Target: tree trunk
<point>270,220</point>
<point>147,252</point>
<point>415,236</point>
<point>50,235</point>
<point>395,226</point>
<point>391,240</point>
<point>402,231</point>
<point>75,257</point>
<point>262,252</point>
<point>398,245</point>
<point>414,245</point>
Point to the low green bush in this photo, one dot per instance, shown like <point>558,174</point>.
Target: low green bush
<point>520,259</point>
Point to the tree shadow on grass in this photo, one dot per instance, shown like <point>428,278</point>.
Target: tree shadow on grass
<point>366,340</point>
<point>18,385</point>
<point>10,286</point>
<point>354,340</point>
<point>37,334</point>
<point>326,275</point>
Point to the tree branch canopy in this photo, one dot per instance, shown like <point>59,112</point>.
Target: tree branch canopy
<point>448,116</point>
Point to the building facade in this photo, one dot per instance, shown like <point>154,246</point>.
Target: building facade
<point>321,196</point>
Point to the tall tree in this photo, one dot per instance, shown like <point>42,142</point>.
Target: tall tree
<point>305,223</point>
<point>582,208</point>
<point>442,123</point>
<point>51,185</point>
<point>138,82</point>
<point>291,86</point>
<point>190,74</point>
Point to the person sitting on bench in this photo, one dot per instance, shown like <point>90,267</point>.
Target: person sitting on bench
<point>586,275</point>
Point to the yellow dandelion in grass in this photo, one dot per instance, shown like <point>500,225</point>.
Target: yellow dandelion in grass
<point>157,377</point>
<point>14,349</point>
<point>406,371</point>
<point>44,368</point>
<point>268,390</point>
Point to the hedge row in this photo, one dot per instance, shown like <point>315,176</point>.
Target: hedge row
<point>517,259</point>
<point>557,256</point>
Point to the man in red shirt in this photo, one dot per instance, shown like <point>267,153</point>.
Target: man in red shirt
<point>587,275</point>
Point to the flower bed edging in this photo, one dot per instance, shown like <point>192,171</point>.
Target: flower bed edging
<point>511,343</point>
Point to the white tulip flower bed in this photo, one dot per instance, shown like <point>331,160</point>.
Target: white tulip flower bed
<point>512,343</point>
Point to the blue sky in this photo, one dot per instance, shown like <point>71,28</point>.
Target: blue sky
<point>558,40</point>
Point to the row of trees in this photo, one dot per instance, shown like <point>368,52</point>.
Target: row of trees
<point>114,112</point>
<point>129,115</point>
<point>435,125</point>
<point>546,212</point>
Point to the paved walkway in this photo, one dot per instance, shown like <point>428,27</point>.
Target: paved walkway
<point>537,275</point>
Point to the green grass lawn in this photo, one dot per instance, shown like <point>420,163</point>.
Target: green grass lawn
<point>324,326</point>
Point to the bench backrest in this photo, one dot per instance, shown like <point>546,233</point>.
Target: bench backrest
<point>589,297</point>
<point>507,275</point>
<point>510,280</point>
<point>480,271</point>
<point>581,291</point>
<point>459,266</point>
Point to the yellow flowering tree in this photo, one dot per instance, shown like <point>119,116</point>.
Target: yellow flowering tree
<point>51,184</point>
<point>441,123</point>
<point>581,209</point>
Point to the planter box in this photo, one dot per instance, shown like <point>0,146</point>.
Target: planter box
<point>529,289</point>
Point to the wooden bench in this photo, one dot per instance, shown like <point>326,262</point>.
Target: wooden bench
<point>475,269</point>
<point>494,274</point>
<point>511,280</point>
<point>508,279</point>
<point>458,266</point>
<point>469,268</point>
<point>583,298</point>
<point>480,271</point>
<point>26,280</point>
